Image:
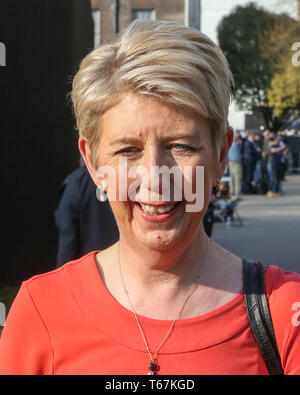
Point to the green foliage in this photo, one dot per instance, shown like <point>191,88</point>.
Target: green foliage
<point>257,46</point>
<point>284,91</point>
<point>239,37</point>
<point>277,44</point>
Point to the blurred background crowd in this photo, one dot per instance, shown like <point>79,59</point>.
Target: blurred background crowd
<point>258,162</point>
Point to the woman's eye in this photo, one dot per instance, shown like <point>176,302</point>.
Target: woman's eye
<point>128,151</point>
<point>181,147</point>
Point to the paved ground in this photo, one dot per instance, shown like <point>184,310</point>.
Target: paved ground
<point>271,229</point>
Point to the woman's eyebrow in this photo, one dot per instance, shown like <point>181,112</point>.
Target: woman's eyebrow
<point>125,140</point>
<point>173,136</point>
<point>184,136</point>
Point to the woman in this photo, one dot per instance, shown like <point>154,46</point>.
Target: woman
<point>165,299</point>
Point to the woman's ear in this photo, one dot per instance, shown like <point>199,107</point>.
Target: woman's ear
<point>86,154</point>
<point>223,157</point>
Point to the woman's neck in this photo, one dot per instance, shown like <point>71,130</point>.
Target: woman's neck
<point>150,269</point>
<point>158,283</point>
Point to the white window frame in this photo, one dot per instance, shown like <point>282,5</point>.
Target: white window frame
<point>142,13</point>
<point>96,15</point>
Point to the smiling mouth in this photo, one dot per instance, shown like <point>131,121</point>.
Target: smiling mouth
<point>158,210</point>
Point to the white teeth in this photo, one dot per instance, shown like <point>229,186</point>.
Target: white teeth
<point>153,210</point>
<point>164,209</point>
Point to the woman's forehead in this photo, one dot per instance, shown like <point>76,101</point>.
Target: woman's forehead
<point>142,117</point>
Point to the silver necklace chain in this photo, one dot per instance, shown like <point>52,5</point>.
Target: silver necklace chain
<point>153,365</point>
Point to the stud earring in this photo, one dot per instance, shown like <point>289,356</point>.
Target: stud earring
<point>101,194</point>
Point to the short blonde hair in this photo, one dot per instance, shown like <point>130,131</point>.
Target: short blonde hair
<point>164,59</point>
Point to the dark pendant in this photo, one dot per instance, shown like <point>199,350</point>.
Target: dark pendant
<point>152,368</point>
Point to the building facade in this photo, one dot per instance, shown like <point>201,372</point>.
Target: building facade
<point>111,16</point>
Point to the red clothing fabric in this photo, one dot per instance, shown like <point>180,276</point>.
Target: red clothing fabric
<point>67,322</point>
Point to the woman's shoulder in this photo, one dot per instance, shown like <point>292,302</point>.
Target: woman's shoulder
<point>281,283</point>
<point>55,281</point>
<point>51,295</point>
<point>283,291</point>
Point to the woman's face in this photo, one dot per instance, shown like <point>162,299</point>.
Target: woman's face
<point>143,131</point>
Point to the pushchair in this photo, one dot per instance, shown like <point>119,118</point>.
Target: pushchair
<point>227,213</point>
<point>225,210</point>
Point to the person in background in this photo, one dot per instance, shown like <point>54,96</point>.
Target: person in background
<point>277,169</point>
<point>258,139</point>
<point>84,223</point>
<point>265,156</point>
<point>249,162</point>
<point>295,155</point>
<point>271,140</point>
<point>244,135</point>
<point>284,161</point>
<point>235,166</point>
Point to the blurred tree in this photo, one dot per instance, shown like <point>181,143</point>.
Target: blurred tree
<point>247,37</point>
<point>284,91</point>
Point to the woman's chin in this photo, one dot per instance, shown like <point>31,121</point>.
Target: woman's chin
<point>158,240</point>
<point>157,232</point>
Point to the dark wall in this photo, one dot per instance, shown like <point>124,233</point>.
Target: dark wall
<point>39,143</point>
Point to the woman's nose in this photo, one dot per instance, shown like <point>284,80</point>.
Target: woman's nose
<point>155,179</point>
<point>155,156</point>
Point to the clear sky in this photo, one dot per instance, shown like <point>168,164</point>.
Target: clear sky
<point>212,13</point>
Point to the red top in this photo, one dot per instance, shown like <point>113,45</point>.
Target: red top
<point>67,322</point>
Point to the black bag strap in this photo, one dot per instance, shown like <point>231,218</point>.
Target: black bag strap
<point>259,315</point>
